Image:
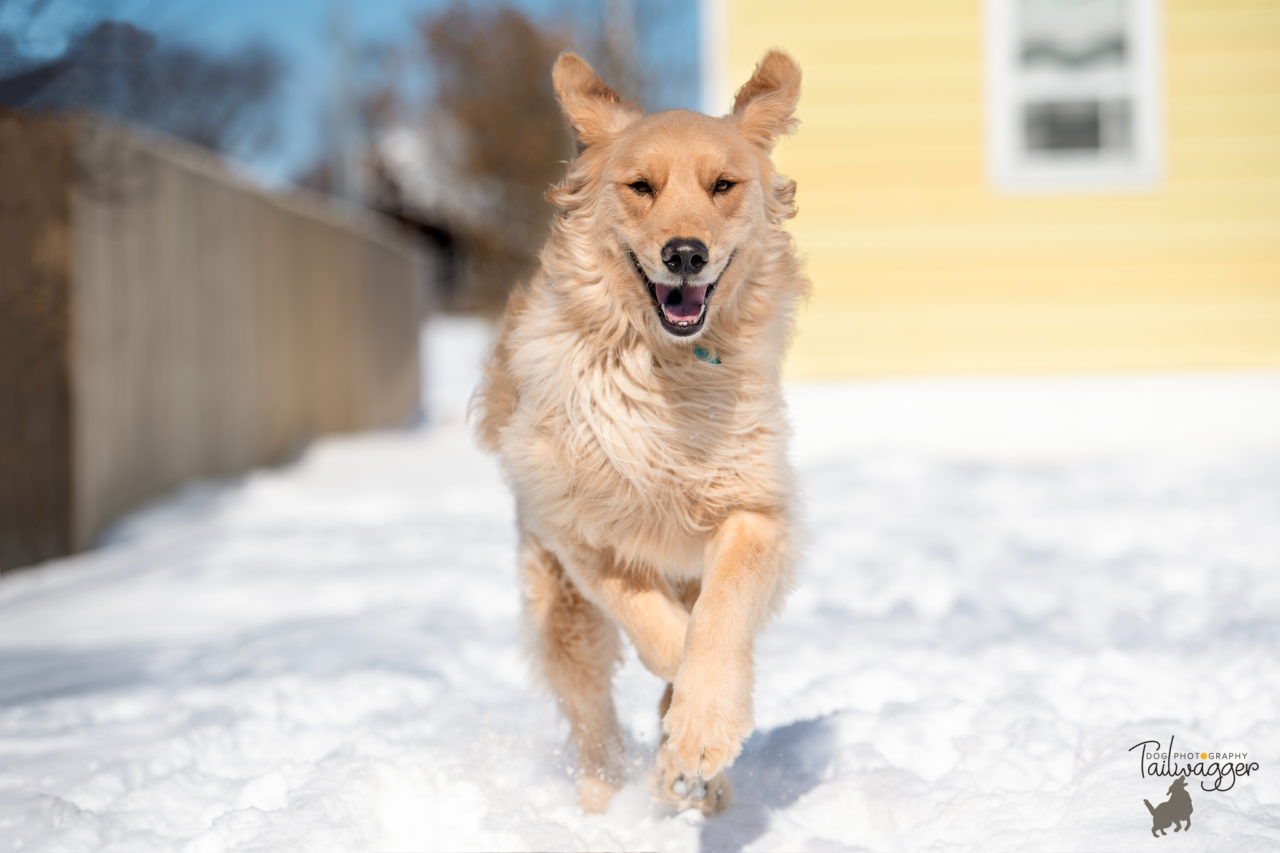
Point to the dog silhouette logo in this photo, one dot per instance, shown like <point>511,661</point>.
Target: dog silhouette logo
<point>1172,811</point>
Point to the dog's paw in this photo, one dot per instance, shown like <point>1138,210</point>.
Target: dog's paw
<point>594,795</point>
<point>682,791</point>
<point>705,732</point>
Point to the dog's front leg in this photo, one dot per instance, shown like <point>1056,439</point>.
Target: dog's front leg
<point>639,600</point>
<point>710,712</point>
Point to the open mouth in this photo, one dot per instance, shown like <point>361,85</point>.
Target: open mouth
<point>682,308</point>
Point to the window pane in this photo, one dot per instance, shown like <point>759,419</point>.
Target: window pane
<point>1071,36</point>
<point>1074,96</point>
<point>1081,126</point>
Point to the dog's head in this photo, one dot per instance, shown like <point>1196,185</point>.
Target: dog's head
<point>678,204</point>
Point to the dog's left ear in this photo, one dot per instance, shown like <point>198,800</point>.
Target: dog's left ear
<point>764,106</point>
<point>595,111</point>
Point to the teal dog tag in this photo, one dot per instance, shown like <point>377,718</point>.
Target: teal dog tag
<point>704,355</point>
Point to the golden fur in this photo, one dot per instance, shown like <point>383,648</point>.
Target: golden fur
<point>653,490</point>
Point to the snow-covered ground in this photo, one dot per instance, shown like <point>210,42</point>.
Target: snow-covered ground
<point>1009,583</point>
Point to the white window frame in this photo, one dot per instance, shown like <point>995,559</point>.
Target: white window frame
<point>1010,171</point>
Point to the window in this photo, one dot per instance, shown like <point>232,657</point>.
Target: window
<point>1073,101</point>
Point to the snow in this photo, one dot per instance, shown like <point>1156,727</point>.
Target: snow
<point>1009,582</point>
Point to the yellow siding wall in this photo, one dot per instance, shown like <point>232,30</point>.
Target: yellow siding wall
<point>920,266</point>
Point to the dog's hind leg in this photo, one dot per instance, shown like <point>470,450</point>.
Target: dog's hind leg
<point>577,648</point>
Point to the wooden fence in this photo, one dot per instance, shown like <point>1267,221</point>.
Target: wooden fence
<point>161,319</point>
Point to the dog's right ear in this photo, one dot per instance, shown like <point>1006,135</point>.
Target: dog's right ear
<point>595,111</point>
<point>765,106</point>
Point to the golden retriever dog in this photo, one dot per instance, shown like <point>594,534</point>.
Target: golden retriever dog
<point>633,399</point>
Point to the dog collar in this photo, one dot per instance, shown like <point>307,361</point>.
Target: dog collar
<point>705,355</point>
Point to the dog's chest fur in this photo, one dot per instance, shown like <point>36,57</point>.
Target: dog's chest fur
<point>639,455</point>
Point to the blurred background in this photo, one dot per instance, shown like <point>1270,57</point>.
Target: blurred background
<point>1032,185</point>
<point>224,223</point>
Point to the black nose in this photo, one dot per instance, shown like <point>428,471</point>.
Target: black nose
<point>685,256</point>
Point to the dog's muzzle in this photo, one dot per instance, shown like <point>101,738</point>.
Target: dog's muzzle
<point>682,308</point>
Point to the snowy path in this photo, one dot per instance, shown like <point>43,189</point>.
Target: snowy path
<point>1009,584</point>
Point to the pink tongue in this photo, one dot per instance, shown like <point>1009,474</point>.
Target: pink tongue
<point>681,303</point>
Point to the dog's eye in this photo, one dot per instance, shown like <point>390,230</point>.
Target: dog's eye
<point>641,187</point>
<point>722,186</point>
